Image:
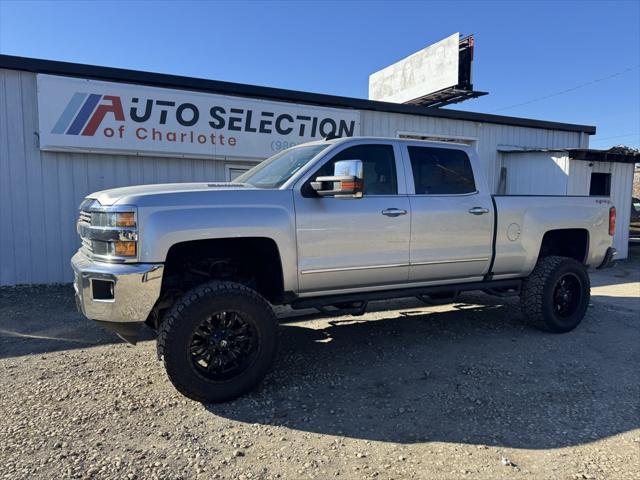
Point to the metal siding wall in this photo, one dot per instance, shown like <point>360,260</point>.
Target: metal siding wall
<point>621,193</point>
<point>7,263</point>
<point>40,191</point>
<point>621,190</point>
<point>579,178</point>
<point>536,173</point>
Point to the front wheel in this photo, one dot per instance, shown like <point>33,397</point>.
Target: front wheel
<point>218,341</point>
<point>555,297</point>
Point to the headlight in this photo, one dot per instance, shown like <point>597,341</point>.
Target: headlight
<point>124,219</point>
<point>113,219</point>
<point>109,233</point>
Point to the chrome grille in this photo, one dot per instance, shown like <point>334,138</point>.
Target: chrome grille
<point>85,217</point>
<point>86,244</point>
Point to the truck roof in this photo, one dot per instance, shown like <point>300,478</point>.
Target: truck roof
<point>395,139</point>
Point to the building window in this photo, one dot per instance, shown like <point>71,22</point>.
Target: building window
<point>600,184</point>
<point>234,171</point>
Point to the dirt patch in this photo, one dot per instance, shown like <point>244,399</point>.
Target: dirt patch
<point>457,391</point>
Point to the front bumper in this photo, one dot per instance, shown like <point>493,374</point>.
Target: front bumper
<point>132,293</point>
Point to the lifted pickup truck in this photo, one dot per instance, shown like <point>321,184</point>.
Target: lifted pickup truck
<point>329,225</point>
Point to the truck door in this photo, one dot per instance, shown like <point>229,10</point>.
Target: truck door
<point>452,219</point>
<point>355,242</point>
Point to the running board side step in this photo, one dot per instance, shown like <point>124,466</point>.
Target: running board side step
<point>419,292</point>
<point>356,309</point>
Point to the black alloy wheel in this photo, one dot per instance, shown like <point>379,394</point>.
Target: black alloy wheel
<point>555,297</point>
<point>223,346</point>
<point>218,341</point>
<point>567,295</point>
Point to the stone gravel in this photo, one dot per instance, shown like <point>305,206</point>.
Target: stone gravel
<point>406,391</point>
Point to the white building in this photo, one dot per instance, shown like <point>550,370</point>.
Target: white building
<point>68,129</point>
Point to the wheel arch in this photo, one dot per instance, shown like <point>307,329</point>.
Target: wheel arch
<point>565,242</point>
<point>238,259</point>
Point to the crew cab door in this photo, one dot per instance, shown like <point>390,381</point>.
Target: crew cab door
<point>347,243</point>
<point>452,215</point>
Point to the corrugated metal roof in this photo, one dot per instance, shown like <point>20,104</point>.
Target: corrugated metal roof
<point>253,91</point>
<point>591,155</point>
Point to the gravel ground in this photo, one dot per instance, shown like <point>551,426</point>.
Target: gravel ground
<point>456,391</point>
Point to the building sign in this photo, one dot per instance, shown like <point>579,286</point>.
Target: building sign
<point>429,70</point>
<point>94,116</point>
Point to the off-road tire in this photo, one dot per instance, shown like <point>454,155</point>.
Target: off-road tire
<point>537,294</point>
<point>176,330</point>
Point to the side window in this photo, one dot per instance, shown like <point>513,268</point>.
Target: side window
<point>441,171</point>
<point>378,164</point>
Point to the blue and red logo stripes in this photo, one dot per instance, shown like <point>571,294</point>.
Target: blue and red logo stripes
<point>83,114</point>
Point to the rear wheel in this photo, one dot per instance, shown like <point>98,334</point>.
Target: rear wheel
<point>556,295</point>
<point>218,341</point>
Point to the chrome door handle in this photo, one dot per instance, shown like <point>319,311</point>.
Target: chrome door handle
<point>478,210</point>
<point>394,212</point>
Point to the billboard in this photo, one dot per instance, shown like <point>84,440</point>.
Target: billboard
<point>77,114</point>
<point>429,70</point>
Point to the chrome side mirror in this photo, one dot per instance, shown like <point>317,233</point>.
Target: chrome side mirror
<point>347,181</point>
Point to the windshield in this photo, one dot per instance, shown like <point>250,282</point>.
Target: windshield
<point>276,170</point>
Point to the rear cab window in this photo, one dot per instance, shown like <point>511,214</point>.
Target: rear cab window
<point>441,171</point>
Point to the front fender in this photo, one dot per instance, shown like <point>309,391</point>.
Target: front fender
<point>161,228</point>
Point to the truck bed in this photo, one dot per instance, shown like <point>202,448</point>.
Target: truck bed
<point>521,222</point>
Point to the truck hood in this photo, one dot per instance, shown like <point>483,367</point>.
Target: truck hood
<point>114,195</point>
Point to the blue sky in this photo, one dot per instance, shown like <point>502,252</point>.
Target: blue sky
<point>524,50</point>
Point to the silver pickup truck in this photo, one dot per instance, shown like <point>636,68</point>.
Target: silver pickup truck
<point>330,225</point>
